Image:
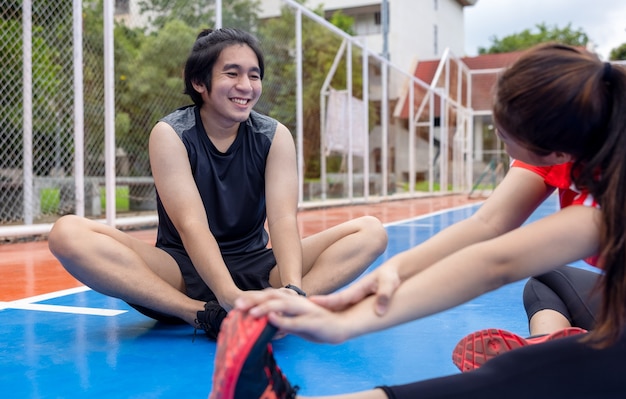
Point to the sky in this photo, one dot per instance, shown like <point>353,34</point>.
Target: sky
<point>604,21</point>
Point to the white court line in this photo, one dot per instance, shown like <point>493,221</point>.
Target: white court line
<point>410,225</point>
<point>425,216</point>
<point>51,295</point>
<point>29,304</point>
<point>66,309</point>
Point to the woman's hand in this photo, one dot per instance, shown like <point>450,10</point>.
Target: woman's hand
<point>295,314</point>
<point>382,283</point>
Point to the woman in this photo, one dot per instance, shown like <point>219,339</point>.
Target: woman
<point>560,112</point>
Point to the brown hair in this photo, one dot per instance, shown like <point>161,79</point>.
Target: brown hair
<point>562,98</point>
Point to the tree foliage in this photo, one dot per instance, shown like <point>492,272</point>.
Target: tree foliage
<point>240,14</point>
<point>528,38</point>
<point>193,13</point>
<point>618,53</point>
<point>149,85</point>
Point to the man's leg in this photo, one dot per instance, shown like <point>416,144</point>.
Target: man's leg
<point>118,265</point>
<point>338,255</point>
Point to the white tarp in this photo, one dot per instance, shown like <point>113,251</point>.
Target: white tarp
<point>337,124</point>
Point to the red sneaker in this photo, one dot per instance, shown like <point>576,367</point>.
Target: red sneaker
<point>475,349</point>
<point>244,363</point>
<point>566,332</point>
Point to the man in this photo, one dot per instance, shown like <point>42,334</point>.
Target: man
<point>221,171</point>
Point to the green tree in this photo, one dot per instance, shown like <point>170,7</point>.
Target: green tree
<point>193,13</point>
<point>242,14</point>
<point>618,53</point>
<point>150,86</point>
<point>528,38</point>
<point>197,13</point>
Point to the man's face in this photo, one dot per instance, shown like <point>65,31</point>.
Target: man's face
<point>236,83</point>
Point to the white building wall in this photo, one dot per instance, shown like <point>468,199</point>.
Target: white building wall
<point>271,8</point>
<point>412,26</point>
<point>451,17</point>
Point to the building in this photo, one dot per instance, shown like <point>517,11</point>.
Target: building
<point>483,71</point>
<point>416,29</point>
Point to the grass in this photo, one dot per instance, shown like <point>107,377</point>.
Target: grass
<point>50,199</point>
<point>423,186</point>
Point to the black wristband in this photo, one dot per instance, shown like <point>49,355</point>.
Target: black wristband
<point>296,289</point>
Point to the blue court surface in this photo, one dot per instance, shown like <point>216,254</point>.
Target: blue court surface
<point>80,344</point>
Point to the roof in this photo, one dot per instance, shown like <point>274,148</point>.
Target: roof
<point>482,83</point>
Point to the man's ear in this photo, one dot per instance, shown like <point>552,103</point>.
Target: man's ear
<point>198,86</point>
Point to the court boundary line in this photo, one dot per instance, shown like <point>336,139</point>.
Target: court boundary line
<point>435,213</point>
<point>31,304</point>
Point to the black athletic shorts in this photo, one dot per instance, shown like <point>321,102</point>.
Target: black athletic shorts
<point>250,271</point>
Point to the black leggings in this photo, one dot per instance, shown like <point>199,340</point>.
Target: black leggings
<point>567,290</point>
<point>563,368</point>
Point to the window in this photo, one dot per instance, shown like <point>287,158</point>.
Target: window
<point>368,20</point>
<point>377,18</point>
<point>367,24</point>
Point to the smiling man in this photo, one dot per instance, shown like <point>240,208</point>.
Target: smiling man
<point>220,170</point>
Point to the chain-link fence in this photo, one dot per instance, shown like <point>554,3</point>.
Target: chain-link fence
<point>341,101</point>
<point>36,108</point>
<point>11,197</point>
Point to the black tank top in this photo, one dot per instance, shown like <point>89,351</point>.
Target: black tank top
<point>231,184</point>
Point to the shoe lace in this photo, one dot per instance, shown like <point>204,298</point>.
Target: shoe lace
<point>277,380</point>
<point>209,320</point>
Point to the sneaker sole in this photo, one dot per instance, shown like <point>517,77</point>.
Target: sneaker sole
<point>477,348</point>
<point>566,332</point>
<point>238,335</point>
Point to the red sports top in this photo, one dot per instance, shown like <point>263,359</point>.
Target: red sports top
<point>558,176</point>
